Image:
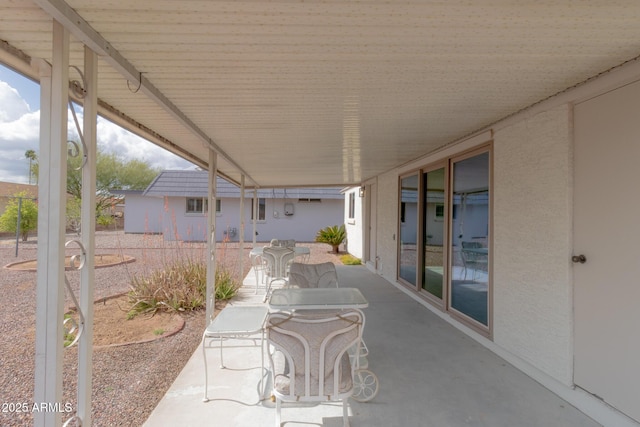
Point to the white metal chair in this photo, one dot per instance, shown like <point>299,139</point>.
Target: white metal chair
<point>260,269</point>
<point>310,361</point>
<point>321,275</point>
<point>472,259</point>
<point>277,259</point>
<point>324,275</point>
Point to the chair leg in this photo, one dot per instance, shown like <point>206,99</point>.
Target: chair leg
<point>206,375</point>
<point>345,413</point>
<point>278,408</point>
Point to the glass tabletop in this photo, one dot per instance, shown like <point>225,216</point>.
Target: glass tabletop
<point>238,319</point>
<point>317,298</point>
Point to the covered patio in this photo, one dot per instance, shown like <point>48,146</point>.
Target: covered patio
<point>538,97</point>
<point>430,374</point>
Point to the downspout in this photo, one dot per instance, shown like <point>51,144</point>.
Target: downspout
<point>241,251</point>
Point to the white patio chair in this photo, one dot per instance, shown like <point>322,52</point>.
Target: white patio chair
<point>277,259</point>
<point>324,275</point>
<point>310,361</point>
<point>321,275</point>
<point>472,259</point>
<point>260,269</point>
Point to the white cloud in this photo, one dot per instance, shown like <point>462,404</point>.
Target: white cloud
<point>20,131</point>
<point>13,105</point>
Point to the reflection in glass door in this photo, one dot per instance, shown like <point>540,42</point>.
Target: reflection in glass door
<point>408,228</point>
<point>470,237</point>
<point>434,227</point>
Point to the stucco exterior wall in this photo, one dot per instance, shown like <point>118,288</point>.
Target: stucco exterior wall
<point>532,241</point>
<point>157,215</point>
<point>308,218</point>
<point>143,214</point>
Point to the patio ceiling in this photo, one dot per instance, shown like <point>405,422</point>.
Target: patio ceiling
<point>324,93</point>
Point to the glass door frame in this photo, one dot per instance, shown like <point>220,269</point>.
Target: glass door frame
<point>445,304</point>
<point>440,303</point>
<point>486,330</point>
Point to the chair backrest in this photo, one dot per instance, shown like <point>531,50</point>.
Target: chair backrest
<point>288,243</point>
<point>471,256</point>
<point>311,361</point>
<point>321,275</point>
<point>278,258</point>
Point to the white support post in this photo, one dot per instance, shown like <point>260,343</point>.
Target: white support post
<point>88,221</point>
<point>241,240</point>
<point>255,216</point>
<point>211,244</point>
<point>51,231</point>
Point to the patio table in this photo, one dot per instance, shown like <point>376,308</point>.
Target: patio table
<point>317,299</point>
<point>300,251</point>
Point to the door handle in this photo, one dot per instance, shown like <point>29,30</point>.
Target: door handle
<point>579,259</point>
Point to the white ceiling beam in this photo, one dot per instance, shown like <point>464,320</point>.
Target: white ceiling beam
<point>81,29</point>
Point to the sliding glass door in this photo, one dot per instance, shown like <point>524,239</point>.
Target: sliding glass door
<point>470,237</point>
<point>444,235</point>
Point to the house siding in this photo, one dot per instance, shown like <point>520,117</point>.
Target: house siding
<point>143,214</point>
<point>161,208</point>
<point>532,219</point>
<point>302,226</point>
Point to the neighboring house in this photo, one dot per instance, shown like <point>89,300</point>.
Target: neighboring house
<point>175,204</point>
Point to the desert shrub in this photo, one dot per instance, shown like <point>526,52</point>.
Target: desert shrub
<point>28,215</point>
<point>105,220</point>
<point>349,259</point>
<point>332,235</point>
<point>180,286</point>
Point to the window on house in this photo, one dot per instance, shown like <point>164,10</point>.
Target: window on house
<point>197,205</point>
<point>262,209</point>
<point>352,205</point>
<point>200,205</point>
<point>309,200</point>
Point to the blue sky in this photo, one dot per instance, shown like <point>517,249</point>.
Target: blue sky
<point>19,132</point>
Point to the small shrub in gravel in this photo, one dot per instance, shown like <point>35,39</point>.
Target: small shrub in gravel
<point>180,286</point>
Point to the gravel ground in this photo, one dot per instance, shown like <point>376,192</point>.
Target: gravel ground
<point>128,381</point>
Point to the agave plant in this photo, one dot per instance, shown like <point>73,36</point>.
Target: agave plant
<point>332,235</point>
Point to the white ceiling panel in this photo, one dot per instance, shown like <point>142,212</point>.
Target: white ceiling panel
<point>333,92</point>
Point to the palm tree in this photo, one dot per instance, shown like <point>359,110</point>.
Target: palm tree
<point>31,155</point>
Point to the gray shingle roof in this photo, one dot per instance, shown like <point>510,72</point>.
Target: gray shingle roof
<point>194,183</point>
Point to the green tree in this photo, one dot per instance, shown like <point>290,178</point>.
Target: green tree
<point>31,155</point>
<point>112,173</point>
<point>28,215</point>
<point>332,235</point>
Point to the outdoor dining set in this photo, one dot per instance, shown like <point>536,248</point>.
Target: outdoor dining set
<point>310,328</point>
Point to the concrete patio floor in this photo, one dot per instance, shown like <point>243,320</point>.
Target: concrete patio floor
<point>430,374</point>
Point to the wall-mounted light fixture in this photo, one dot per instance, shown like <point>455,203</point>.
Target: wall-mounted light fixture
<point>361,191</point>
